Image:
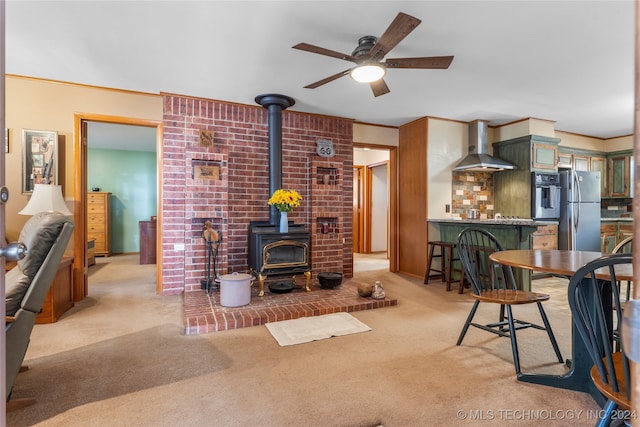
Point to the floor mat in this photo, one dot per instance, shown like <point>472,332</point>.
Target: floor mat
<point>307,329</point>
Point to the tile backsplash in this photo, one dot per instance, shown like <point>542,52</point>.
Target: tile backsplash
<point>472,190</point>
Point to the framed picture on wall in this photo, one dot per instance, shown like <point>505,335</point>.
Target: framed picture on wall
<point>39,158</point>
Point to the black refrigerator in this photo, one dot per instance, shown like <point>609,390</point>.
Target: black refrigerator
<point>579,227</point>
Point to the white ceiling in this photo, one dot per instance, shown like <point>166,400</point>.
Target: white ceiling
<point>571,62</point>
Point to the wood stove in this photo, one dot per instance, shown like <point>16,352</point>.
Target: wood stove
<point>272,253</point>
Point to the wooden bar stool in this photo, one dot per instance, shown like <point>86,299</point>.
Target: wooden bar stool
<point>445,253</point>
<point>463,282</point>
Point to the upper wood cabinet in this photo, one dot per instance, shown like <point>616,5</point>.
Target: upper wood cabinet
<point>565,160</point>
<point>600,164</point>
<point>513,187</point>
<point>544,156</point>
<point>615,168</point>
<point>529,153</point>
<point>581,162</point>
<point>619,177</point>
<point>575,161</point>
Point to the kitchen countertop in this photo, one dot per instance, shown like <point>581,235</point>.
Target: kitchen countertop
<point>616,219</point>
<point>501,221</point>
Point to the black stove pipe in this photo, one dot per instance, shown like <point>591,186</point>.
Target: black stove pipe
<point>275,103</point>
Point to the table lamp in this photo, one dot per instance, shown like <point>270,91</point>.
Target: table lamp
<point>46,198</point>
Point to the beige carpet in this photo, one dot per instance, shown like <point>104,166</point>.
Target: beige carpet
<point>308,329</point>
<point>118,359</point>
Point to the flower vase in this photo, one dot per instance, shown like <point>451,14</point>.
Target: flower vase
<point>284,222</point>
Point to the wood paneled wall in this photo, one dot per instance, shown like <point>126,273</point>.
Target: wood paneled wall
<point>412,198</point>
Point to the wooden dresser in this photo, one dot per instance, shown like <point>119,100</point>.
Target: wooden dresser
<point>98,221</point>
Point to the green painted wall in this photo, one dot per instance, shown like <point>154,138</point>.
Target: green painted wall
<point>130,177</point>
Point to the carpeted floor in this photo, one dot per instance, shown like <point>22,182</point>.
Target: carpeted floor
<point>119,359</point>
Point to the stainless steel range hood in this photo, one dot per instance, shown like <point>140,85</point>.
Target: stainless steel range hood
<point>479,158</point>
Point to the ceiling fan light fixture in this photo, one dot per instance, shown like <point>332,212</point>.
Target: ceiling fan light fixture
<point>368,73</point>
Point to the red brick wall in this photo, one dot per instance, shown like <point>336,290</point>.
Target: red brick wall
<point>240,195</point>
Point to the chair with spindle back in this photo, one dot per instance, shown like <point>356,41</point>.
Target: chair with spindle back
<point>495,283</point>
<point>596,308</point>
<point>625,247</point>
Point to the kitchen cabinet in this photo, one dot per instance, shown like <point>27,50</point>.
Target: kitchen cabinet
<point>609,237</point>
<point>613,232</point>
<point>624,231</point>
<point>574,159</point>
<point>544,156</point>
<point>565,160</point>
<point>581,162</point>
<point>599,164</point>
<point>512,194</point>
<point>545,237</point>
<point>619,179</point>
<point>621,174</point>
<point>512,235</point>
<point>99,220</point>
<point>529,153</point>
<point>615,169</point>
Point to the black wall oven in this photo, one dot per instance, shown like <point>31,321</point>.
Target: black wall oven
<point>545,195</point>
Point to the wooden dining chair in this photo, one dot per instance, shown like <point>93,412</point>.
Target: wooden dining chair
<point>495,283</point>
<point>625,247</point>
<point>596,309</point>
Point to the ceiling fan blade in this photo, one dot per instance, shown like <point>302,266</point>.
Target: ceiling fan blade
<point>400,28</point>
<point>327,79</point>
<point>379,87</point>
<point>322,51</point>
<point>432,62</point>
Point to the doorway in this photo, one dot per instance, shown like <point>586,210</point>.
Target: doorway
<point>82,127</point>
<point>374,208</point>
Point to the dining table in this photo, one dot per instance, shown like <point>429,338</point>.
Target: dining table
<point>565,263</point>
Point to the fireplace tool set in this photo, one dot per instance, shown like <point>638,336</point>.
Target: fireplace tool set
<point>212,239</point>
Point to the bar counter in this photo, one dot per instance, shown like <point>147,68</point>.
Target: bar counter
<point>511,233</point>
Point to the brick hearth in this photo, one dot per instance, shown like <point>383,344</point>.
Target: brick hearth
<point>203,313</point>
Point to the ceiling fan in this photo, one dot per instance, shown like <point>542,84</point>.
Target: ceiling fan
<point>368,56</point>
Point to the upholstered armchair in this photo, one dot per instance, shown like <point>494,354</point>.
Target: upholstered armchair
<point>46,236</point>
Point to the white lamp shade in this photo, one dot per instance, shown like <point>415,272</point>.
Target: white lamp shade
<point>368,73</point>
<point>46,198</point>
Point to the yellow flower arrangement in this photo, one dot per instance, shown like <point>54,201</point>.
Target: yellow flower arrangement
<point>285,200</point>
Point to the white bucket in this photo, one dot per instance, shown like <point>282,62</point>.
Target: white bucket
<point>235,289</point>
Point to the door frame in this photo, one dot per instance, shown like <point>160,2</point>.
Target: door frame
<point>358,209</point>
<point>80,148</point>
<point>369,205</point>
<point>393,200</point>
